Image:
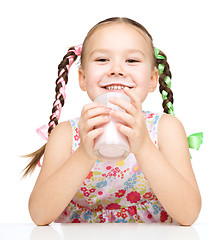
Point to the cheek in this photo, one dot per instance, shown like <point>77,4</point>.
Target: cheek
<point>95,74</point>
<point>142,78</point>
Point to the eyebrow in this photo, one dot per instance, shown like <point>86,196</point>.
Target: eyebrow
<point>104,50</point>
<point>135,51</point>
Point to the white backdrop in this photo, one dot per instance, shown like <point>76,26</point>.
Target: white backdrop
<point>35,35</point>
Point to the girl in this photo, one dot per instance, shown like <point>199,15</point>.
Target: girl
<point>155,183</point>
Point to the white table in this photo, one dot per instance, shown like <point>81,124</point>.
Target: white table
<point>94,231</point>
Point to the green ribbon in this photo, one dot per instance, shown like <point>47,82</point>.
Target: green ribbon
<point>195,140</point>
<point>157,54</point>
<point>161,68</point>
<point>169,104</point>
<point>164,94</point>
<point>167,80</point>
<point>171,110</point>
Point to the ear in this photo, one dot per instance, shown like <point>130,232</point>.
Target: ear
<point>82,80</point>
<point>153,80</point>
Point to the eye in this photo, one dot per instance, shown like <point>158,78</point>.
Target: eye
<point>102,60</point>
<point>132,61</point>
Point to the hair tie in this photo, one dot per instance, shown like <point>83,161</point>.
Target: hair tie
<point>78,49</point>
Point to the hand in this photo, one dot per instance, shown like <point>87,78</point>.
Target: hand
<point>93,115</point>
<point>135,127</point>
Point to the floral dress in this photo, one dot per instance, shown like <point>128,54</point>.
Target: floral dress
<point>115,191</point>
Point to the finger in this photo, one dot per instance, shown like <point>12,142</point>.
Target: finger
<point>95,122</point>
<point>127,106</point>
<point>135,100</point>
<point>127,131</point>
<point>125,117</point>
<point>96,112</point>
<point>95,133</point>
<point>91,106</point>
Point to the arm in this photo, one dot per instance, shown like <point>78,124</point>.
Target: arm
<point>167,169</point>
<point>63,173</point>
<point>60,177</point>
<point>169,172</point>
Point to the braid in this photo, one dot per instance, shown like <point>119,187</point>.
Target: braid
<point>61,82</point>
<point>164,81</point>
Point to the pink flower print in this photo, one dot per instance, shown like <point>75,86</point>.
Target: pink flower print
<point>133,197</point>
<point>86,194</point>
<point>132,210</point>
<point>83,189</point>
<point>118,214</point>
<point>163,216</point>
<point>102,219</point>
<point>120,193</point>
<point>100,192</point>
<point>114,173</point>
<point>76,137</point>
<point>77,131</point>
<point>124,215</point>
<point>111,217</point>
<point>148,217</point>
<point>147,195</point>
<point>92,190</point>
<point>113,206</point>
<point>108,167</point>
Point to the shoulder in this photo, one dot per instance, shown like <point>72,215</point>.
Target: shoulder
<point>58,150</point>
<point>172,140</point>
<point>59,145</point>
<point>170,127</point>
<point>62,130</point>
<point>60,140</point>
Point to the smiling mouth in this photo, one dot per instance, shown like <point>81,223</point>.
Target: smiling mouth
<point>115,87</point>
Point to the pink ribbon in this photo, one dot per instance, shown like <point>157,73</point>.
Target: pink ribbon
<point>78,49</point>
<point>43,132</point>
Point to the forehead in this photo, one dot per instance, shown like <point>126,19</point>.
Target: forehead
<point>118,36</point>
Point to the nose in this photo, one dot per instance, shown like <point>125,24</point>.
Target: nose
<point>117,70</point>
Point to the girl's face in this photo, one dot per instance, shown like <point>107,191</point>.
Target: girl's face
<point>118,55</point>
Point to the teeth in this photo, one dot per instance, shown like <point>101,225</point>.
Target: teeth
<point>115,87</point>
